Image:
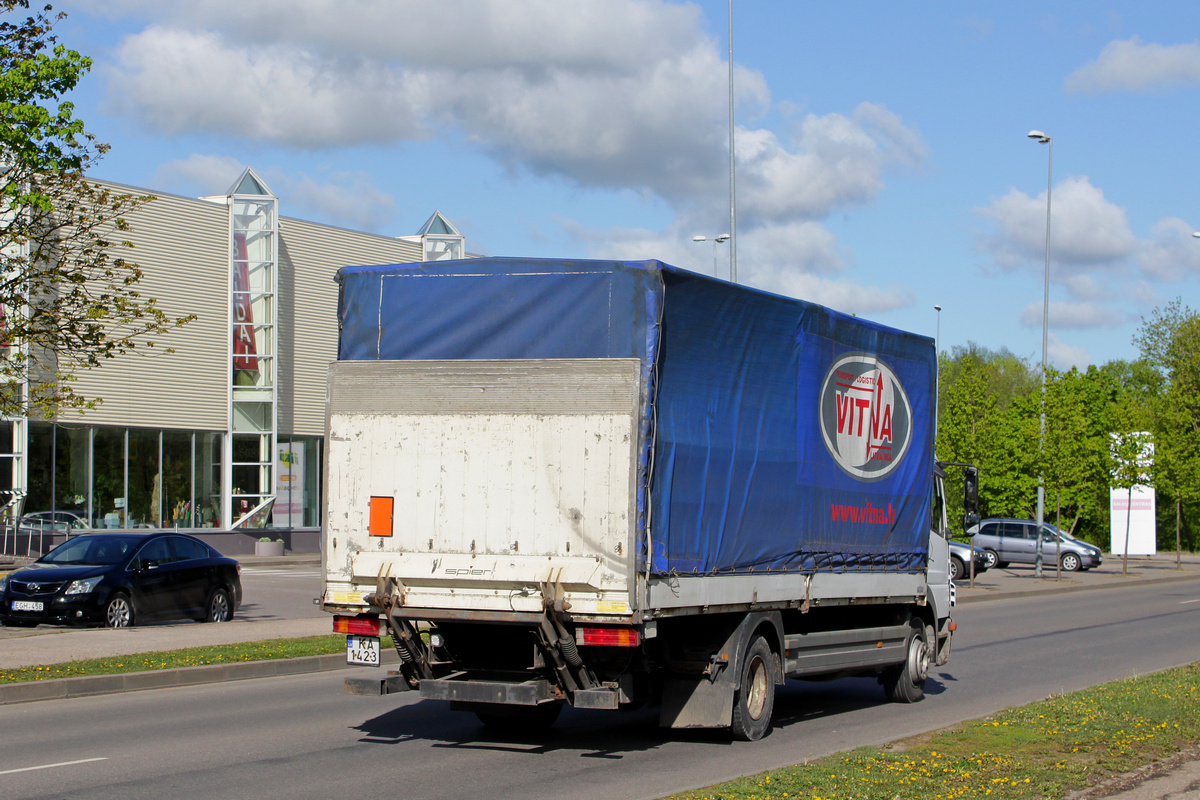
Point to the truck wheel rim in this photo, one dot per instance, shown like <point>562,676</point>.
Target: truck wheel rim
<point>918,659</point>
<point>756,688</point>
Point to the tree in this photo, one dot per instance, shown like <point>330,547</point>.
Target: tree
<point>984,419</point>
<point>1079,410</point>
<point>68,299</point>
<point>1170,343</point>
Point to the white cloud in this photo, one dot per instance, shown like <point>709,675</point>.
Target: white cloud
<point>1064,356</point>
<point>843,295</point>
<point>1085,287</point>
<point>615,93</point>
<point>626,94</point>
<point>1172,254</point>
<point>346,198</point>
<point>203,175</point>
<point>1072,315</point>
<point>1085,229</point>
<point>181,81</point>
<point>834,161</point>
<point>798,259</point>
<point>538,89</point>
<point>1130,65</point>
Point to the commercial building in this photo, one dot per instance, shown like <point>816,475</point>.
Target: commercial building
<point>226,431</point>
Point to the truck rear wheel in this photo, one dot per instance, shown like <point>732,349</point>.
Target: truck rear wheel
<point>515,719</point>
<point>905,682</point>
<point>755,699</point>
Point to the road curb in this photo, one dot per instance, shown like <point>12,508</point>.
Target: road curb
<point>92,685</point>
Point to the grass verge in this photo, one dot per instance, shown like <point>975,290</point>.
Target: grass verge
<point>1046,749</point>
<point>190,657</point>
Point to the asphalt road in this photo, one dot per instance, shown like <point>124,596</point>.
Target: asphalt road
<point>302,737</point>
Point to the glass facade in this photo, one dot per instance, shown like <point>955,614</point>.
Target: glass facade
<point>149,478</point>
<point>253,266</point>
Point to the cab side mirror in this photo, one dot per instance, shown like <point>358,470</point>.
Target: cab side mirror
<point>970,498</point>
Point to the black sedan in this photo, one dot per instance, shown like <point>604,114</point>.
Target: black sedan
<point>119,579</point>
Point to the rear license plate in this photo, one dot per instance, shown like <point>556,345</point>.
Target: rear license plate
<point>362,650</point>
<point>26,605</point>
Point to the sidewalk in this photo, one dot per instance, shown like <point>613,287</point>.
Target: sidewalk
<point>1019,580</point>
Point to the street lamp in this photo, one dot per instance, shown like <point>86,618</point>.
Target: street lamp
<point>1042,138</point>
<point>938,334</point>
<point>716,240</point>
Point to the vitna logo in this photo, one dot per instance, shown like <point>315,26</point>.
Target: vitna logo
<point>866,419</point>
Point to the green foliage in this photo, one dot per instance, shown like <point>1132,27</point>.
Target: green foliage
<point>1052,748</point>
<point>69,300</point>
<point>991,409</point>
<point>264,650</point>
<point>1170,345</point>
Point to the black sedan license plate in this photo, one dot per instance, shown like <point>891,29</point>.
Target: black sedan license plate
<point>362,650</point>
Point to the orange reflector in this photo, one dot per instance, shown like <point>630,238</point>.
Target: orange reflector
<point>607,637</point>
<point>380,521</point>
<point>953,626</point>
<point>360,625</point>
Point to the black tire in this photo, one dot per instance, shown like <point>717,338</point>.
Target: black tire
<point>992,559</point>
<point>1070,562</point>
<point>219,607</point>
<point>957,568</point>
<point>755,699</point>
<point>118,612</point>
<point>905,683</point>
<point>518,719</point>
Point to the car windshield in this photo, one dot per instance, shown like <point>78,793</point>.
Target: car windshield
<point>91,550</point>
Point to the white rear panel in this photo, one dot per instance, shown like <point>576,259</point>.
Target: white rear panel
<point>505,475</point>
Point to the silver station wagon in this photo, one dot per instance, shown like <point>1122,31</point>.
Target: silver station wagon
<point>1014,541</point>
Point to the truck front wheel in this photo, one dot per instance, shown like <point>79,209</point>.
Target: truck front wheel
<point>905,682</point>
<point>755,699</point>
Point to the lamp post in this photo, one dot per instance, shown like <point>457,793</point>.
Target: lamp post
<point>1042,138</point>
<point>937,392</point>
<point>938,334</point>
<point>732,172</point>
<point>716,240</point>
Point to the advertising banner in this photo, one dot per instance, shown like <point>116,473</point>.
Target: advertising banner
<point>1138,512</point>
<point>1133,511</point>
<point>289,486</point>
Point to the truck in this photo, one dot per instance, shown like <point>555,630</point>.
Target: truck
<point>610,484</point>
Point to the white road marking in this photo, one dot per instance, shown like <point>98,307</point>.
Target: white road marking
<point>1185,602</point>
<point>52,766</point>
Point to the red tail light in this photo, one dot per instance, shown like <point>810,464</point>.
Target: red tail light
<point>360,626</point>
<point>608,637</point>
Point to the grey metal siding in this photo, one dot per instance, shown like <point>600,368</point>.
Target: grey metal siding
<point>311,254</point>
<point>181,246</point>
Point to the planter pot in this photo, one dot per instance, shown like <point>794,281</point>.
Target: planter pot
<point>268,548</point>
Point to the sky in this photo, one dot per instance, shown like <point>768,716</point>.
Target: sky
<point>883,164</point>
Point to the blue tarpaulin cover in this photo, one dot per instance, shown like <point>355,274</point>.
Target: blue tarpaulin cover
<point>779,435</point>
